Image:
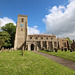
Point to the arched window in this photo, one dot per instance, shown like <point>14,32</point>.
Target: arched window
<point>44,44</point>
<point>51,38</point>
<point>39,44</point>
<point>64,44</point>
<point>22,20</point>
<point>36,38</point>
<point>55,44</point>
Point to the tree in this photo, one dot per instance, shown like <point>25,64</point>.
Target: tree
<point>69,40</point>
<point>4,39</point>
<point>68,43</point>
<point>11,29</point>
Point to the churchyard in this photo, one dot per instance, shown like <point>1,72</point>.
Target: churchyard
<point>13,63</point>
<point>63,54</point>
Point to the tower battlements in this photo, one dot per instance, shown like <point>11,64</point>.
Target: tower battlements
<point>22,15</point>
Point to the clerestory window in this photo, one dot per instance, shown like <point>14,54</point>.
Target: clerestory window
<point>41,37</point>
<point>36,38</point>
<point>30,37</point>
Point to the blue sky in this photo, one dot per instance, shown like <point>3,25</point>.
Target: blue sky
<point>35,9</point>
<point>39,13</point>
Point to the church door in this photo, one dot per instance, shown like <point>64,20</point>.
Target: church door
<point>32,46</point>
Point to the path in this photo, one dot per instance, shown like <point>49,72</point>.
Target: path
<point>65,62</point>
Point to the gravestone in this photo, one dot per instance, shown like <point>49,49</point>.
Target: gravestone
<point>2,49</point>
<point>5,50</point>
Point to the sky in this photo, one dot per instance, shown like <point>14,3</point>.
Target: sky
<point>55,17</point>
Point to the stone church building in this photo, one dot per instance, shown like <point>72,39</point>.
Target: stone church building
<point>35,41</point>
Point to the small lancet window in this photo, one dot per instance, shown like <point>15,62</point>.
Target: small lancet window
<point>22,20</point>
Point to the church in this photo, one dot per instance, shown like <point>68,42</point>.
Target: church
<point>35,41</point>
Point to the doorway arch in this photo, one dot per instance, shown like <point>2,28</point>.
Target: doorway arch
<point>32,46</point>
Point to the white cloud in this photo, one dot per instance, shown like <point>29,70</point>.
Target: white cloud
<point>35,26</point>
<point>6,20</point>
<point>71,0</point>
<point>33,30</point>
<point>61,20</point>
<point>0,23</point>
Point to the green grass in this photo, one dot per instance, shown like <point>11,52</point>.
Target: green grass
<point>66,55</point>
<point>13,63</point>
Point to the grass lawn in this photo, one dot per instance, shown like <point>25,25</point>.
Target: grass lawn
<point>66,55</point>
<point>13,63</point>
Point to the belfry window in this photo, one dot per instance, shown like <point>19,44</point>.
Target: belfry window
<point>22,20</point>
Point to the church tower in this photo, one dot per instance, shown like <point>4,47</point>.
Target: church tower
<point>21,32</point>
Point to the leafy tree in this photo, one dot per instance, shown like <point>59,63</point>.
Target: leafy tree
<point>11,29</point>
<point>69,40</point>
<point>4,39</point>
<point>1,42</point>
